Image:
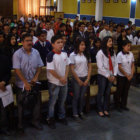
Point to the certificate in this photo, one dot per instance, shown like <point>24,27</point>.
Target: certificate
<point>7,96</point>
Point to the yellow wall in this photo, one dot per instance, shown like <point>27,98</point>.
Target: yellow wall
<point>138,9</point>
<point>15,7</point>
<point>117,9</point>
<point>87,8</point>
<point>70,6</point>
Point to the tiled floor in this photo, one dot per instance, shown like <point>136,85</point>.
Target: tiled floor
<point>121,126</point>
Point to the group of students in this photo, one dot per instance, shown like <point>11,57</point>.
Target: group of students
<point>59,56</point>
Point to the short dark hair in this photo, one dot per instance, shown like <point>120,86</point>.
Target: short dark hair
<point>25,36</point>
<point>55,38</point>
<point>118,26</point>
<point>129,22</point>
<point>84,18</point>
<point>62,25</point>
<point>80,24</point>
<point>125,42</point>
<point>1,33</point>
<point>41,32</point>
<point>47,21</point>
<point>5,25</point>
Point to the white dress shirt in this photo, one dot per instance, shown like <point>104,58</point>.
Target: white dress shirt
<point>130,38</point>
<point>50,34</point>
<point>103,64</point>
<point>104,33</point>
<point>136,41</point>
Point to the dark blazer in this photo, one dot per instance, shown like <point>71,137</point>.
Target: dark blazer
<point>5,69</point>
<point>43,50</point>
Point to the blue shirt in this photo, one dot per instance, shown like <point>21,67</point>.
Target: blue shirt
<point>28,64</point>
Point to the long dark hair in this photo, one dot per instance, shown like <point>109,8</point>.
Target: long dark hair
<point>104,46</point>
<point>8,42</point>
<point>86,53</point>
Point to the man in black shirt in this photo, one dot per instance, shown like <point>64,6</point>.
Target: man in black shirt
<point>6,114</point>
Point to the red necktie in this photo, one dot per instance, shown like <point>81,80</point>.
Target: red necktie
<point>110,64</point>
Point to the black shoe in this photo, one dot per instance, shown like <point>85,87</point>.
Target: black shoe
<point>125,108</point>
<point>5,132</point>
<point>82,117</point>
<point>51,123</point>
<point>63,121</point>
<point>119,109</point>
<point>77,119</point>
<point>37,126</point>
<point>20,131</point>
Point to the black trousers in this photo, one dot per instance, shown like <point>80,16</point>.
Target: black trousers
<point>123,86</point>
<point>7,120</point>
<point>35,109</point>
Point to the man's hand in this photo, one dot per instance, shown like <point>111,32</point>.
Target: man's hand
<point>2,86</point>
<point>63,80</point>
<point>111,78</point>
<point>86,83</point>
<point>34,80</point>
<point>129,77</point>
<point>27,86</point>
<point>81,83</point>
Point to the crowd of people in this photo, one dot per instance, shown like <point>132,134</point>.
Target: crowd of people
<point>28,44</point>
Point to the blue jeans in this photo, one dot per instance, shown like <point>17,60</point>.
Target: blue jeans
<point>57,93</point>
<point>78,98</point>
<point>104,86</point>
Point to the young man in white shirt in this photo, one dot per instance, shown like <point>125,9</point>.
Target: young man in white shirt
<point>105,32</point>
<point>57,73</point>
<point>126,70</point>
<point>50,32</point>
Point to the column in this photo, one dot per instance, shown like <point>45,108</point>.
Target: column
<point>99,10</point>
<point>78,8</point>
<point>132,11</point>
<point>59,5</point>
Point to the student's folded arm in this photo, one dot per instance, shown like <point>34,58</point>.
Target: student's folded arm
<point>89,71</point>
<point>115,67</point>
<point>73,72</point>
<point>132,69</point>
<point>54,73</point>
<point>16,67</point>
<point>67,71</point>
<point>20,75</point>
<point>99,59</point>
<point>121,70</point>
<point>37,73</point>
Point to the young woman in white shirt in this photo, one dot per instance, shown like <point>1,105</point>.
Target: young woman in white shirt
<point>137,38</point>
<point>107,70</point>
<point>81,70</point>
<point>126,67</point>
